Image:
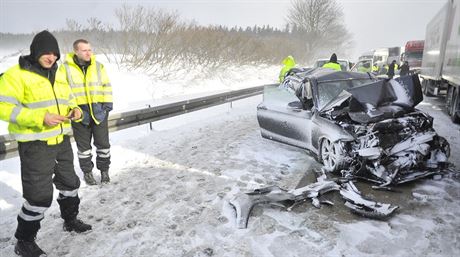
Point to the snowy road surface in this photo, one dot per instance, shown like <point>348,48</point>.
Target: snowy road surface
<point>170,191</point>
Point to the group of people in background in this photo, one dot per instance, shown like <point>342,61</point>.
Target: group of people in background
<point>389,70</point>
<point>43,103</point>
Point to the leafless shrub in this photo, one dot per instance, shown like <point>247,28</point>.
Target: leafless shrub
<point>158,42</point>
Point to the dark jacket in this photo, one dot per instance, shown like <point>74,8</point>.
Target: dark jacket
<point>404,69</point>
<point>391,69</point>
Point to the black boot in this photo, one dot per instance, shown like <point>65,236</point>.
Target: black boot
<point>105,179</point>
<point>27,230</point>
<point>69,210</point>
<point>76,225</point>
<point>28,249</point>
<point>89,179</point>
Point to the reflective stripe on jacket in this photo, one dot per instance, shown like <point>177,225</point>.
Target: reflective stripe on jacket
<point>25,98</point>
<point>332,65</point>
<point>92,91</point>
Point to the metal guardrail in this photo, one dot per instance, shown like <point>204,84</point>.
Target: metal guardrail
<point>119,121</point>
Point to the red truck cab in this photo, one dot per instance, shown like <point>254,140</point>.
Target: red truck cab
<point>413,54</point>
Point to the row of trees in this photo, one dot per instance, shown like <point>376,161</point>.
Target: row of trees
<point>159,42</point>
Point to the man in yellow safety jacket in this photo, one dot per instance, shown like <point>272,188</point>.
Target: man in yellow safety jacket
<point>288,63</point>
<point>38,104</point>
<point>93,92</point>
<point>333,64</point>
<point>375,68</point>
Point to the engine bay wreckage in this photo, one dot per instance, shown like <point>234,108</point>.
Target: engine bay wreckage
<point>360,127</point>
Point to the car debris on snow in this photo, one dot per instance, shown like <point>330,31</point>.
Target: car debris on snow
<point>244,202</point>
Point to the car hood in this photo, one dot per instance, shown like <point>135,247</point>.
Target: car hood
<point>379,100</point>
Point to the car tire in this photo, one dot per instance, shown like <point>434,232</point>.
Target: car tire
<point>444,146</point>
<point>332,155</point>
<point>453,106</point>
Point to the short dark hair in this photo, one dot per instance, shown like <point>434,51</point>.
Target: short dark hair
<point>78,41</point>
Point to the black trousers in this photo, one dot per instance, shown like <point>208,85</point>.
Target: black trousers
<point>83,135</point>
<point>41,166</point>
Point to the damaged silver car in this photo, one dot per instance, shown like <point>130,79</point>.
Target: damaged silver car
<point>355,124</point>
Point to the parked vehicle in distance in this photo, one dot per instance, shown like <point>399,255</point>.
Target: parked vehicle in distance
<point>363,65</point>
<point>441,57</point>
<point>366,55</point>
<point>413,54</point>
<point>344,64</point>
<point>355,123</point>
<point>385,55</point>
<point>366,65</point>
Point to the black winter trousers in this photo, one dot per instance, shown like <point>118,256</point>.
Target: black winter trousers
<point>41,166</point>
<point>83,135</point>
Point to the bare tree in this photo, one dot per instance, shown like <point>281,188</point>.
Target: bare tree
<point>158,42</point>
<point>320,24</point>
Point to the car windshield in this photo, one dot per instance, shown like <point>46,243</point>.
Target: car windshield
<point>329,90</point>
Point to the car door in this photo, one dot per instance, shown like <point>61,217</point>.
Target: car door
<point>282,118</point>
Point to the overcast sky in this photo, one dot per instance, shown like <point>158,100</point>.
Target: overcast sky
<point>373,23</point>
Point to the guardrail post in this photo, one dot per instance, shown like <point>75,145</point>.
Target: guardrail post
<point>150,123</point>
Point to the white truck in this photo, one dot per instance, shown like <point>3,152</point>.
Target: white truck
<point>385,55</point>
<point>441,57</point>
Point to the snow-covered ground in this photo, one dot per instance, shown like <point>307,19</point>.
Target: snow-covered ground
<point>171,188</point>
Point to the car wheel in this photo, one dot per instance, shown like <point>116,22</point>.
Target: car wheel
<point>332,155</point>
<point>453,106</point>
<point>444,146</point>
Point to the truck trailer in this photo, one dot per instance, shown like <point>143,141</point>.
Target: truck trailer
<point>441,57</point>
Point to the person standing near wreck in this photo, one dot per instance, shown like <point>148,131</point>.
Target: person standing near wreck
<point>404,69</point>
<point>38,104</point>
<point>333,64</point>
<point>288,64</point>
<point>391,69</point>
<point>93,91</point>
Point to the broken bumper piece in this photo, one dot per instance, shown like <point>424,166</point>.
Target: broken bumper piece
<point>244,202</point>
<point>364,207</point>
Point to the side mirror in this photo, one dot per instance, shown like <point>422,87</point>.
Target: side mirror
<point>295,106</point>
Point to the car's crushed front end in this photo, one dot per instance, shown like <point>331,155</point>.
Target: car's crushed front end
<point>394,142</point>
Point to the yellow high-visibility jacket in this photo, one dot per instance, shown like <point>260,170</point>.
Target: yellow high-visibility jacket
<point>288,63</point>
<point>332,65</point>
<point>92,90</point>
<point>25,98</point>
